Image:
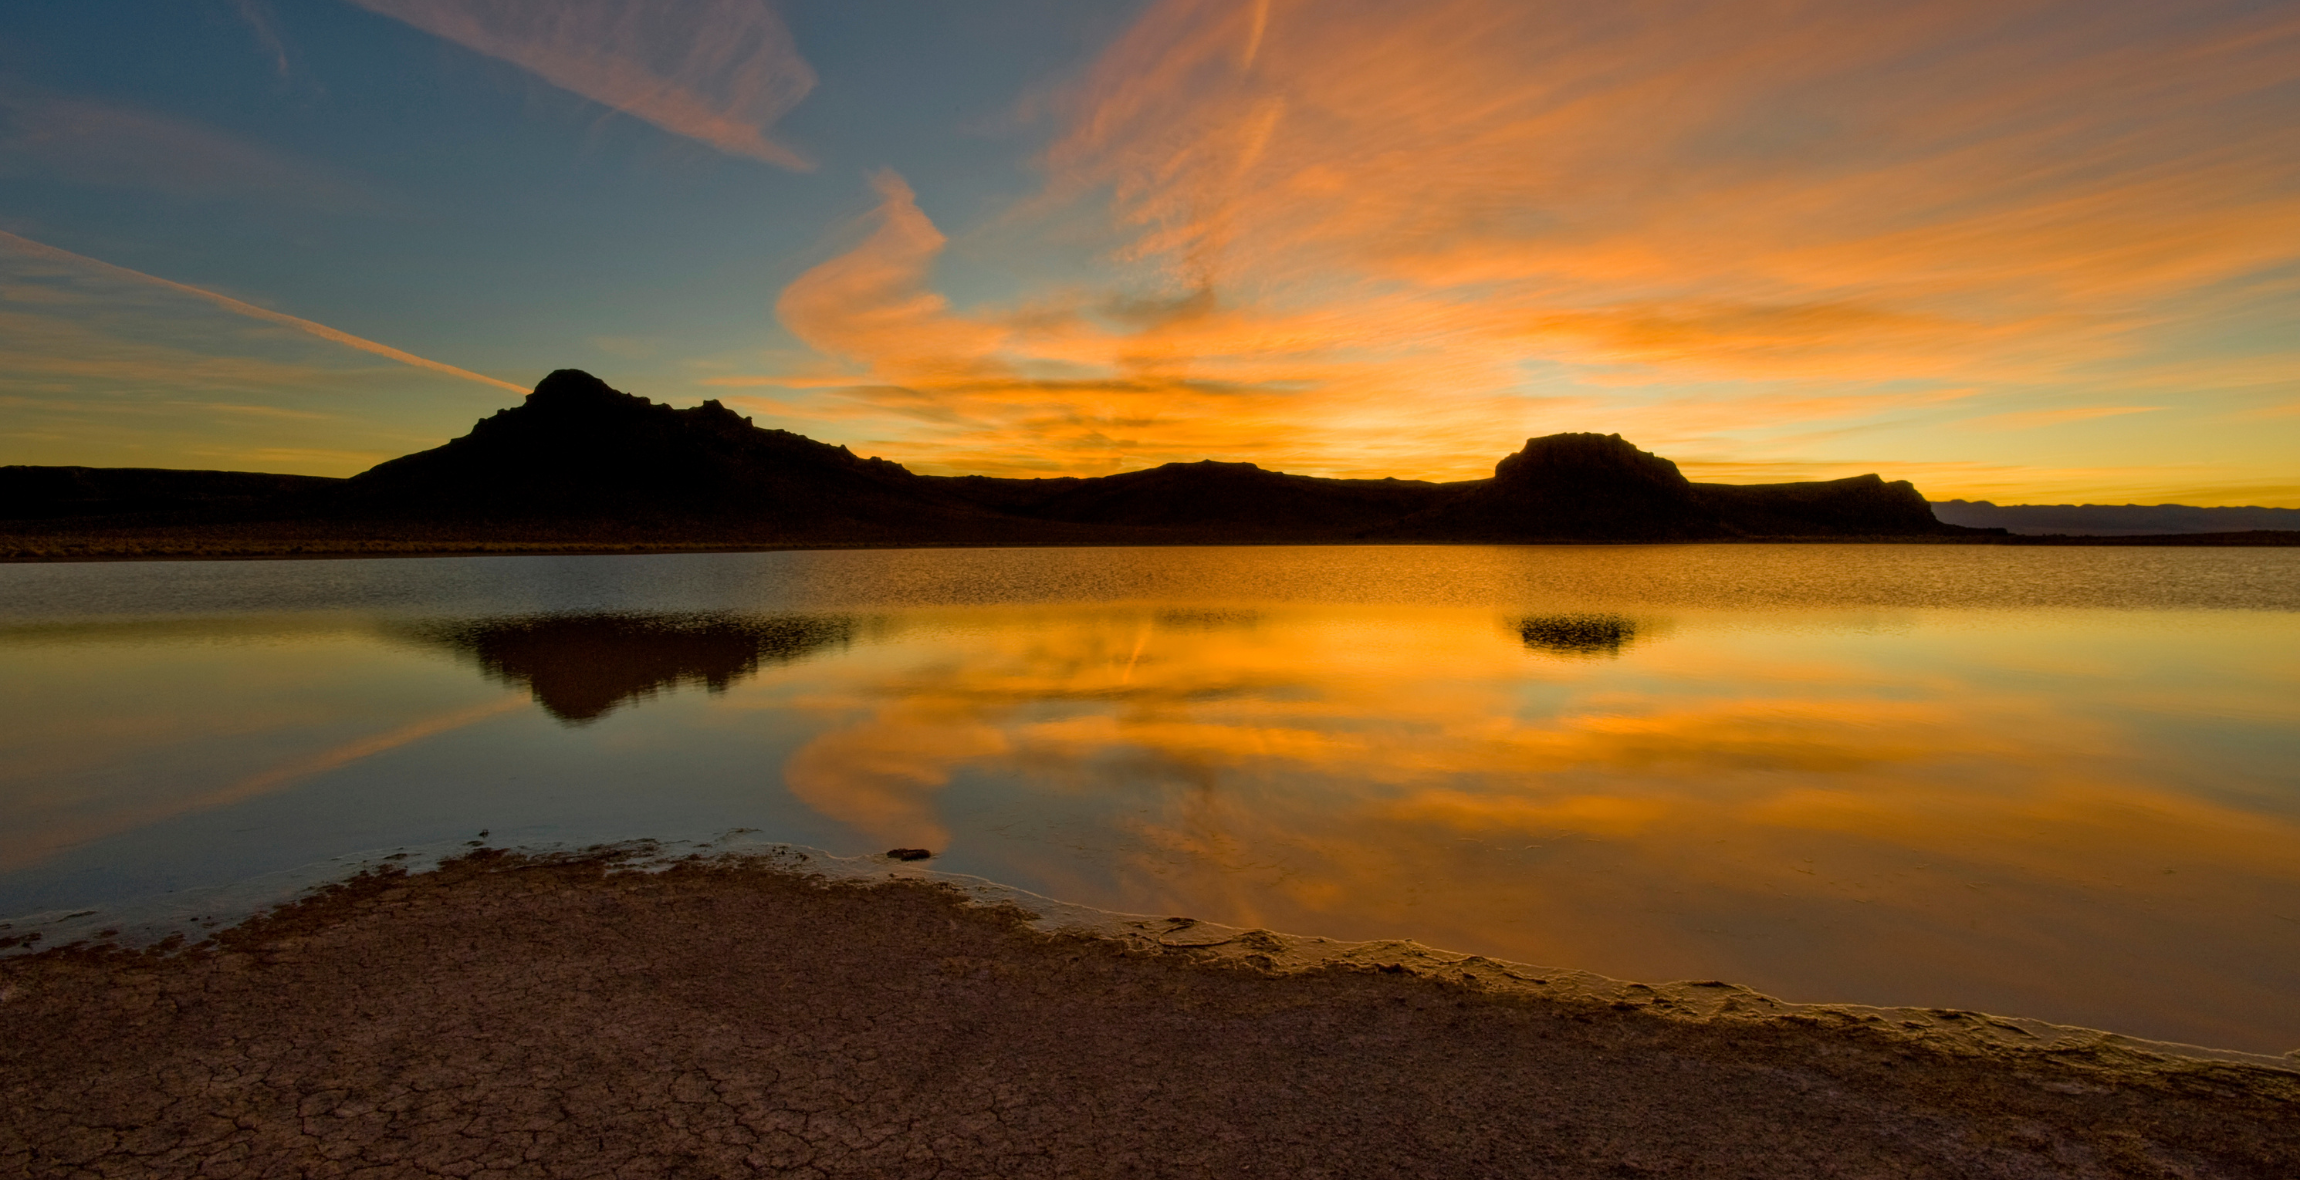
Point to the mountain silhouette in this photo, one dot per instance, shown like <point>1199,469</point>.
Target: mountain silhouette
<point>579,464</point>
<point>578,450</point>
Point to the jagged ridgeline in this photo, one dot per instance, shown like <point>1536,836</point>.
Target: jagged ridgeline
<point>579,463</point>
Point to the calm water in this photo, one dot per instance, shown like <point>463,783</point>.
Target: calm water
<point>2052,783</point>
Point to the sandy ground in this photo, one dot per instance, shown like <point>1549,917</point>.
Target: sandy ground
<point>524,1018</point>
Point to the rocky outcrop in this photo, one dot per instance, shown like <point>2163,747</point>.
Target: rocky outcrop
<point>578,449</point>
<point>1569,487</point>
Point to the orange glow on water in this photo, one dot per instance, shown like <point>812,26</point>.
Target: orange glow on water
<point>1385,774</point>
<point>1832,773</point>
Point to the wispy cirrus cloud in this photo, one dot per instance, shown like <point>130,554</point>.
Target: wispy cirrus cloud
<point>257,15</point>
<point>239,307</point>
<point>1805,152</point>
<point>720,72</point>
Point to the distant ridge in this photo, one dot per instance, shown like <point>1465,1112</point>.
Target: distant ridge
<point>2111,520</point>
<point>581,466</point>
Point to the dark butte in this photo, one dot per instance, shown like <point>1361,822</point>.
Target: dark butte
<point>580,462</point>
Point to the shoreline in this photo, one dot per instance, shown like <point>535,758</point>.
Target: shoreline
<point>994,988</point>
<point>169,923</point>
<point>14,548</point>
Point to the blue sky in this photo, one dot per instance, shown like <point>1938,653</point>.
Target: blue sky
<point>2027,251</point>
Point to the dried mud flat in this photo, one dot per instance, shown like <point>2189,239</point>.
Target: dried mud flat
<point>570,1018</point>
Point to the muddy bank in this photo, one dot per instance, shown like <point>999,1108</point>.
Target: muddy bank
<point>564,1017</point>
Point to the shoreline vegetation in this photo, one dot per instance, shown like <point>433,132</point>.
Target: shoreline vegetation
<point>588,1014</point>
<point>580,467</point>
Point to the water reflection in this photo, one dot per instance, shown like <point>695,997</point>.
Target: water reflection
<point>1826,807</point>
<point>580,667</point>
<point>1577,635</point>
<point>2087,815</point>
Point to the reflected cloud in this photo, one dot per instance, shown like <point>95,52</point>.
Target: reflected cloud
<point>882,777</point>
<point>582,667</point>
<point>2068,813</point>
<point>719,72</point>
<point>29,843</point>
<point>1765,806</point>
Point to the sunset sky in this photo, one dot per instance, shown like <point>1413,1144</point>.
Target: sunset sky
<point>2021,250</point>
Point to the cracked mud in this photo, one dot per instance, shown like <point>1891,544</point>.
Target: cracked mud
<point>519,1018</point>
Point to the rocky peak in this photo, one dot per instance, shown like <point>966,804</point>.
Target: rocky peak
<point>1604,459</point>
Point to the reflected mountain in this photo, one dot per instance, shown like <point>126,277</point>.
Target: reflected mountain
<point>1180,619</point>
<point>1577,635</point>
<point>581,667</point>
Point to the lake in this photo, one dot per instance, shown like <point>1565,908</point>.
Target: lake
<point>2057,783</point>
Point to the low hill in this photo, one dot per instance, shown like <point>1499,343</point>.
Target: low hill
<point>157,493</point>
<point>2113,520</point>
<point>1238,501</point>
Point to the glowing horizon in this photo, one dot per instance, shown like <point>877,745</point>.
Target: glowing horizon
<point>2028,252</point>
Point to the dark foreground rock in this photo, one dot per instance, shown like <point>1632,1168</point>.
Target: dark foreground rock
<point>523,1019</point>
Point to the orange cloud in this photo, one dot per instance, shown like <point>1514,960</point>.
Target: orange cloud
<point>1079,382</point>
<point>717,71</point>
<point>1587,154</point>
<point>1365,238</point>
<point>872,304</point>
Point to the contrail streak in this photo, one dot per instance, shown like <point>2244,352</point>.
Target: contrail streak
<point>250,310</point>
